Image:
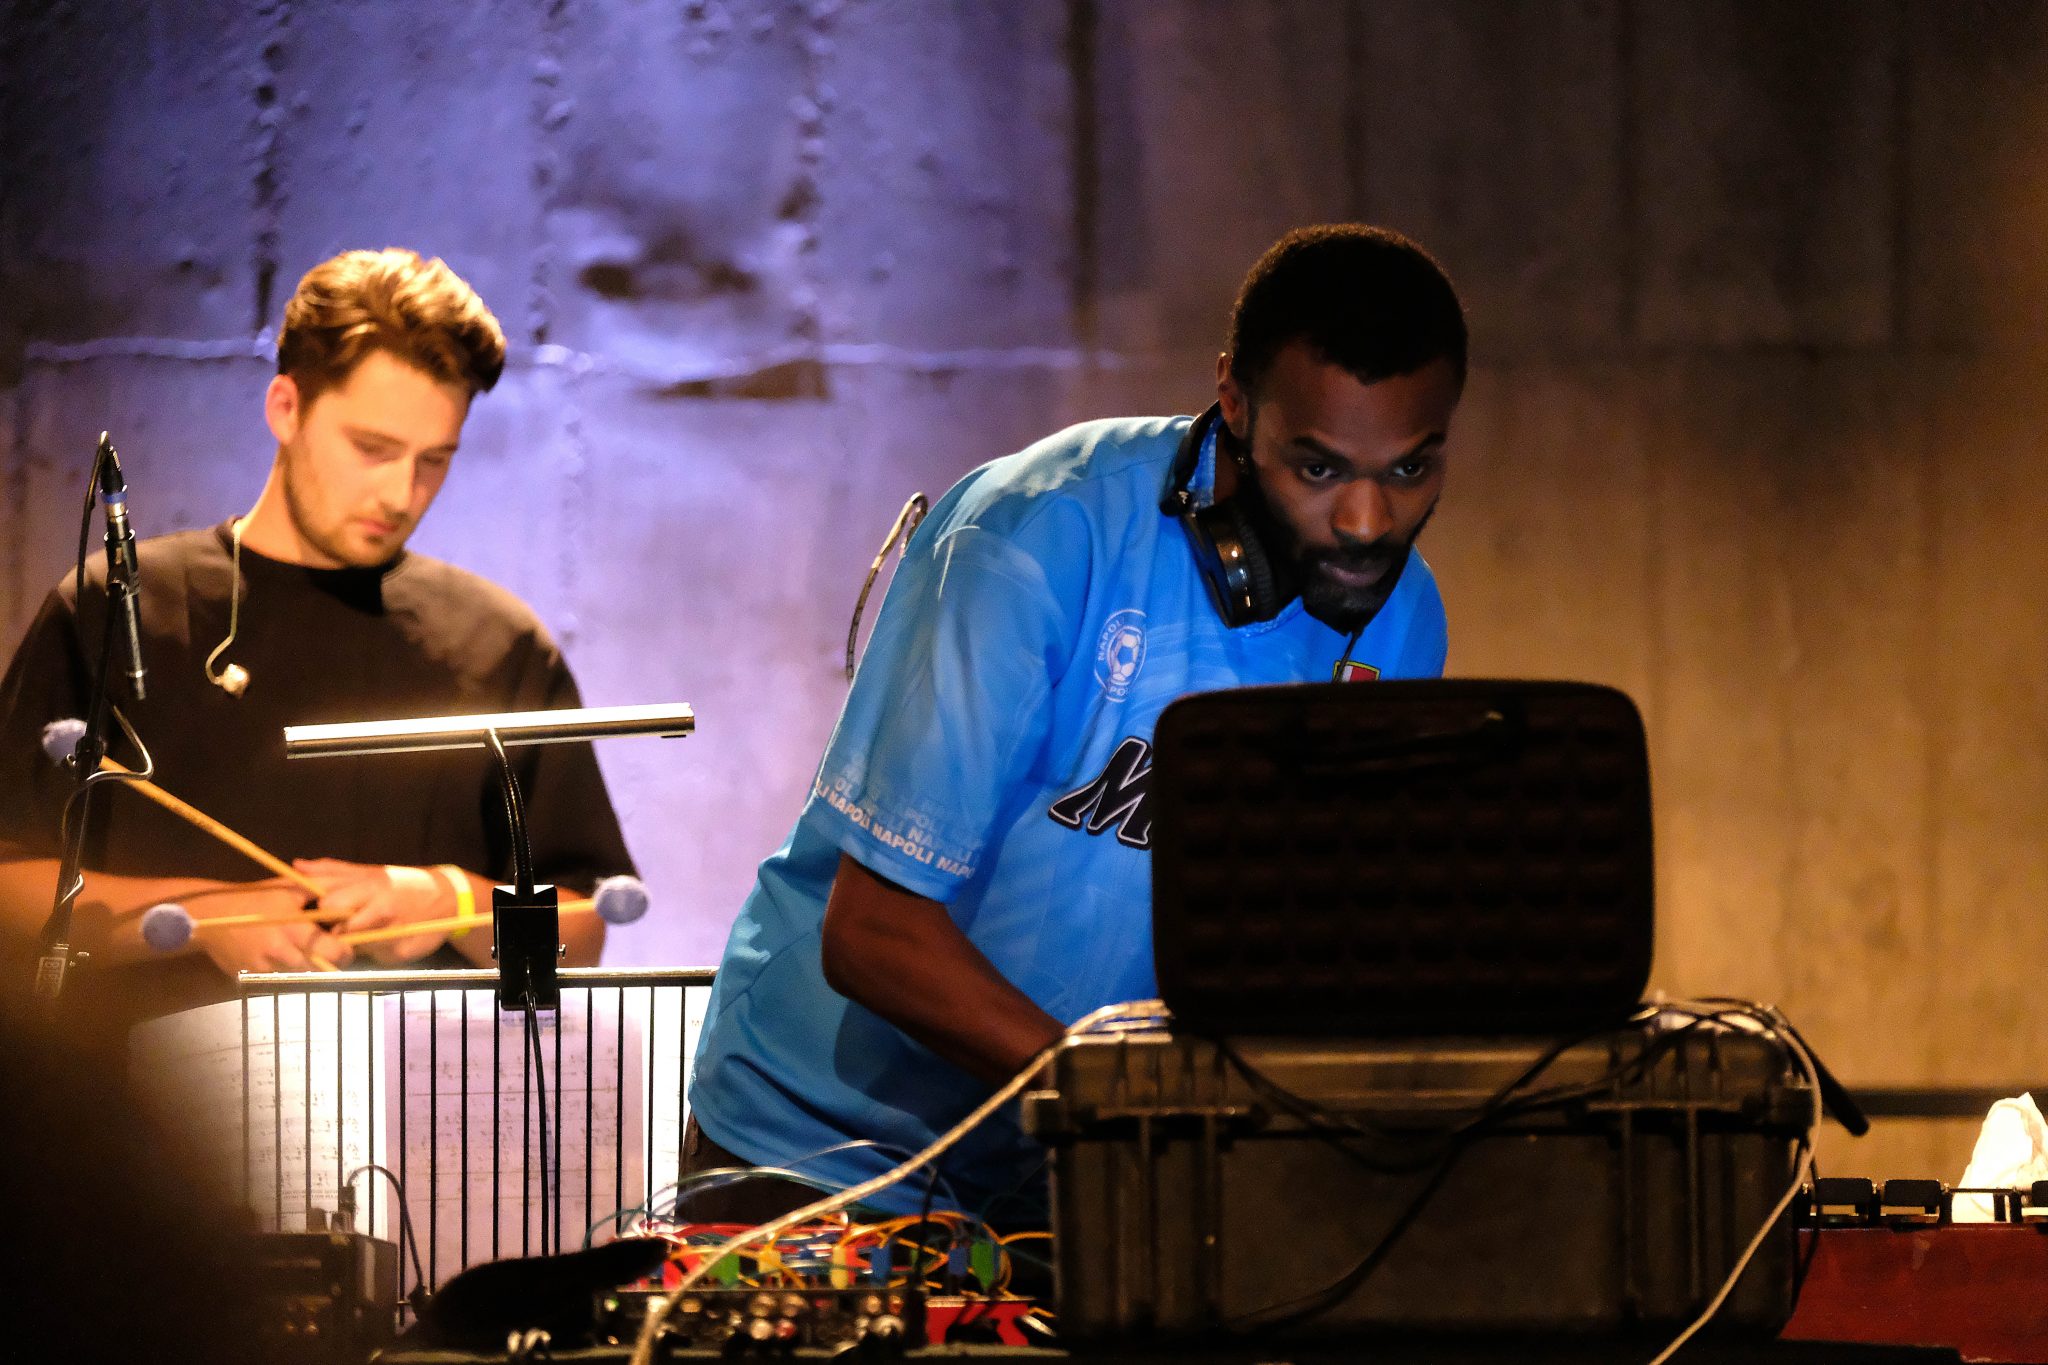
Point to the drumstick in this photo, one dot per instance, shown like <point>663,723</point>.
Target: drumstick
<point>203,821</point>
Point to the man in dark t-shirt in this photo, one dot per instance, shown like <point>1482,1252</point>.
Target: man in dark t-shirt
<point>310,609</point>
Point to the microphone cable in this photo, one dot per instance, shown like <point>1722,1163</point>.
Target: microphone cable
<point>416,1299</point>
<point>540,1090</point>
<point>1344,655</point>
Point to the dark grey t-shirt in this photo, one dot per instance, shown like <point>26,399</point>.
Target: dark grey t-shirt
<point>415,637</point>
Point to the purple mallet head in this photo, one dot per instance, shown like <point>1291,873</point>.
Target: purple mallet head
<point>621,900</point>
<point>167,927</point>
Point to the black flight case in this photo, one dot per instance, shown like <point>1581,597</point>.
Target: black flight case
<point>1313,1188</point>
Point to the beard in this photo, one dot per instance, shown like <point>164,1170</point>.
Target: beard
<point>1342,603</point>
<point>319,526</point>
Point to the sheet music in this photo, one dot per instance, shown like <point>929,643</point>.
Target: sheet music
<point>472,1122</point>
<point>286,1128</point>
<point>290,1093</point>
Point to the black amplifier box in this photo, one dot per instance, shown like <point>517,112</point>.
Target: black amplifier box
<point>323,1297</point>
<point>1318,1187</point>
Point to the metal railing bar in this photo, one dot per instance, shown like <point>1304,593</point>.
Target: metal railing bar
<point>404,1191</point>
<point>384,982</point>
<point>306,1107</point>
<point>248,1153</point>
<point>434,1136</point>
<point>277,1114</point>
<point>497,1140</point>
<point>653,1052</point>
<point>619,1106</point>
<point>527,1123</point>
<point>340,1095</point>
<point>589,1104</point>
<point>464,1112</point>
<point>555,1164</point>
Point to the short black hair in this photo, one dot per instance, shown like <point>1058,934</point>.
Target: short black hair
<point>1365,299</point>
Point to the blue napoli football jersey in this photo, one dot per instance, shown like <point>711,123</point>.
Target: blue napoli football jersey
<point>993,755</point>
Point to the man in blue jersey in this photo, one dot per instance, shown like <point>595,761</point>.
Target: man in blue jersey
<point>970,872</point>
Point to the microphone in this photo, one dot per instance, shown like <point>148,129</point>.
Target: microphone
<point>60,739</point>
<point>167,927</point>
<point>620,900</point>
<point>124,574</point>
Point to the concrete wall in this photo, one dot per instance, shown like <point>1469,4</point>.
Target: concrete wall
<point>1756,292</point>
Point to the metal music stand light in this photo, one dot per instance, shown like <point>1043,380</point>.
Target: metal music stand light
<point>525,917</point>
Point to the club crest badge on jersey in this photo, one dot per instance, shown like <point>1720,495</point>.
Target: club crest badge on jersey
<point>1120,652</point>
<point>1350,670</point>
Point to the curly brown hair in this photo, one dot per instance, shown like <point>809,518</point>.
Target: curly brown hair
<point>418,310</point>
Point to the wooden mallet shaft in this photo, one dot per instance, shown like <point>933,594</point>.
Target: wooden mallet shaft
<point>260,921</point>
<point>200,819</point>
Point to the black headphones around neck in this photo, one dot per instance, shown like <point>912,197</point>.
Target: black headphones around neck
<point>1228,538</point>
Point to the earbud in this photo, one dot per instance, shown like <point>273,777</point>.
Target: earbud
<point>60,738</point>
<point>233,679</point>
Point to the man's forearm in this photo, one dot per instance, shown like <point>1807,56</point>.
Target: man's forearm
<point>107,921</point>
<point>902,956</point>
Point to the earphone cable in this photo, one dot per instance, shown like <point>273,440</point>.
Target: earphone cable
<point>1343,658</point>
<point>898,539</point>
<point>234,602</point>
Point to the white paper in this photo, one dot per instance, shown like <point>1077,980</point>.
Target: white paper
<point>281,1093</point>
<point>594,1134</point>
<point>293,1092</point>
<point>2011,1153</point>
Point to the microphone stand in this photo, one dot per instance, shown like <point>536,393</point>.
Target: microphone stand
<point>58,956</point>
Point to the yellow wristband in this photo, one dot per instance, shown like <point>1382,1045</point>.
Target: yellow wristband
<point>465,896</point>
